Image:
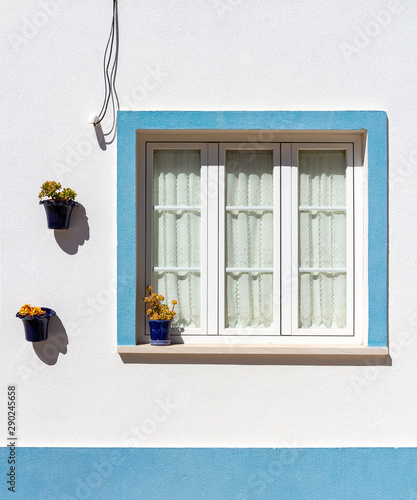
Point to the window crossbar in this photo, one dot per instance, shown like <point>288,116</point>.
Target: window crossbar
<point>321,209</point>
<point>175,207</point>
<point>249,270</point>
<point>249,209</point>
<point>322,270</point>
<point>176,269</point>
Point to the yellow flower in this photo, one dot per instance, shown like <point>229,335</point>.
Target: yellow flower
<point>156,310</point>
<point>27,310</point>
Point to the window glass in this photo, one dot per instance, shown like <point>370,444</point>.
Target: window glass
<point>249,239</point>
<point>322,239</point>
<point>176,231</point>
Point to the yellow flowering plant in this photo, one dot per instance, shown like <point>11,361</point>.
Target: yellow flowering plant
<point>54,191</point>
<point>28,310</point>
<point>155,309</point>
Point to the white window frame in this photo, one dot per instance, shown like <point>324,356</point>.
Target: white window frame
<point>250,332</point>
<point>354,210</point>
<point>290,333</point>
<point>204,294</point>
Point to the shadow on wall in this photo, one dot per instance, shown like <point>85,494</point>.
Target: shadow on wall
<point>55,345</point>
<point>77,233</point>
<point>100,135</point>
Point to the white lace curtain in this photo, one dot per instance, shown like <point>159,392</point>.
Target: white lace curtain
<point>249,239</point>
<point>322,239</point>
<point>176,231</point>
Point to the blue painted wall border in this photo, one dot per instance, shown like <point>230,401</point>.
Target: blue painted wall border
<point>212,473</point>
<point>374,122</point>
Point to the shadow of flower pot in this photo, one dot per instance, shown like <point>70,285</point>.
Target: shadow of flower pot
<point>56,344</point>
<point>77,233</point>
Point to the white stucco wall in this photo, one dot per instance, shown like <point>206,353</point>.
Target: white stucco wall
<point>190,55</point>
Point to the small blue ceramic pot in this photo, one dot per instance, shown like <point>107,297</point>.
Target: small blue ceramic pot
<point>58,213</point>
<point>36,326</point>
<point>160,332</point>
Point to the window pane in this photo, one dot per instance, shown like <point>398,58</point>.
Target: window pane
<point>176,238</point>
<point>176,231</point>
<point>322,300</point>
<point>322,239</point>
<point>249,239</point>
<point>322,178</point>
<point>185,287</point>
<point>176,177</point>
<point>249,178</point>
<point>249,300</point>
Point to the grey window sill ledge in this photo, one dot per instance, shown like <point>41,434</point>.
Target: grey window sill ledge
<point>179,353</point>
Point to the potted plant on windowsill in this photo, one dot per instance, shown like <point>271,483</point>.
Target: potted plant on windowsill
<point>59,205</point>
<point>35,320</point>
<point>160,318</point>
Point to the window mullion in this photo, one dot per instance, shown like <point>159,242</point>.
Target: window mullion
<point>287,228</point>
<point>350,216</point>
<point>277,239</point>
<point>212,236</point>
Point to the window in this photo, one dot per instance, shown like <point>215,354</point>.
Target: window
<point>215,242</point>
<point>259,234</point>
<point>250,247</point>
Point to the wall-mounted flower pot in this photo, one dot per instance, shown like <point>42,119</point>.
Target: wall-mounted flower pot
<point>58,213</point>
<point>36,326</point>
<point>160,332</point>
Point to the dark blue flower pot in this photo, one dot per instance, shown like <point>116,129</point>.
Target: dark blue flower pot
<point>58,213</point>
<point>36,327</point>
<point>160,332</point>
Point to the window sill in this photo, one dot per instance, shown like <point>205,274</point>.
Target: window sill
<point>258,353</point>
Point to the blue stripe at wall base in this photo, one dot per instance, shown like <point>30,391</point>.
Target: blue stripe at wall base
<point>212,473</point>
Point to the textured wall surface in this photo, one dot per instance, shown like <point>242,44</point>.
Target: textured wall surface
<point>216,474</point>
<point>187,55</point>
